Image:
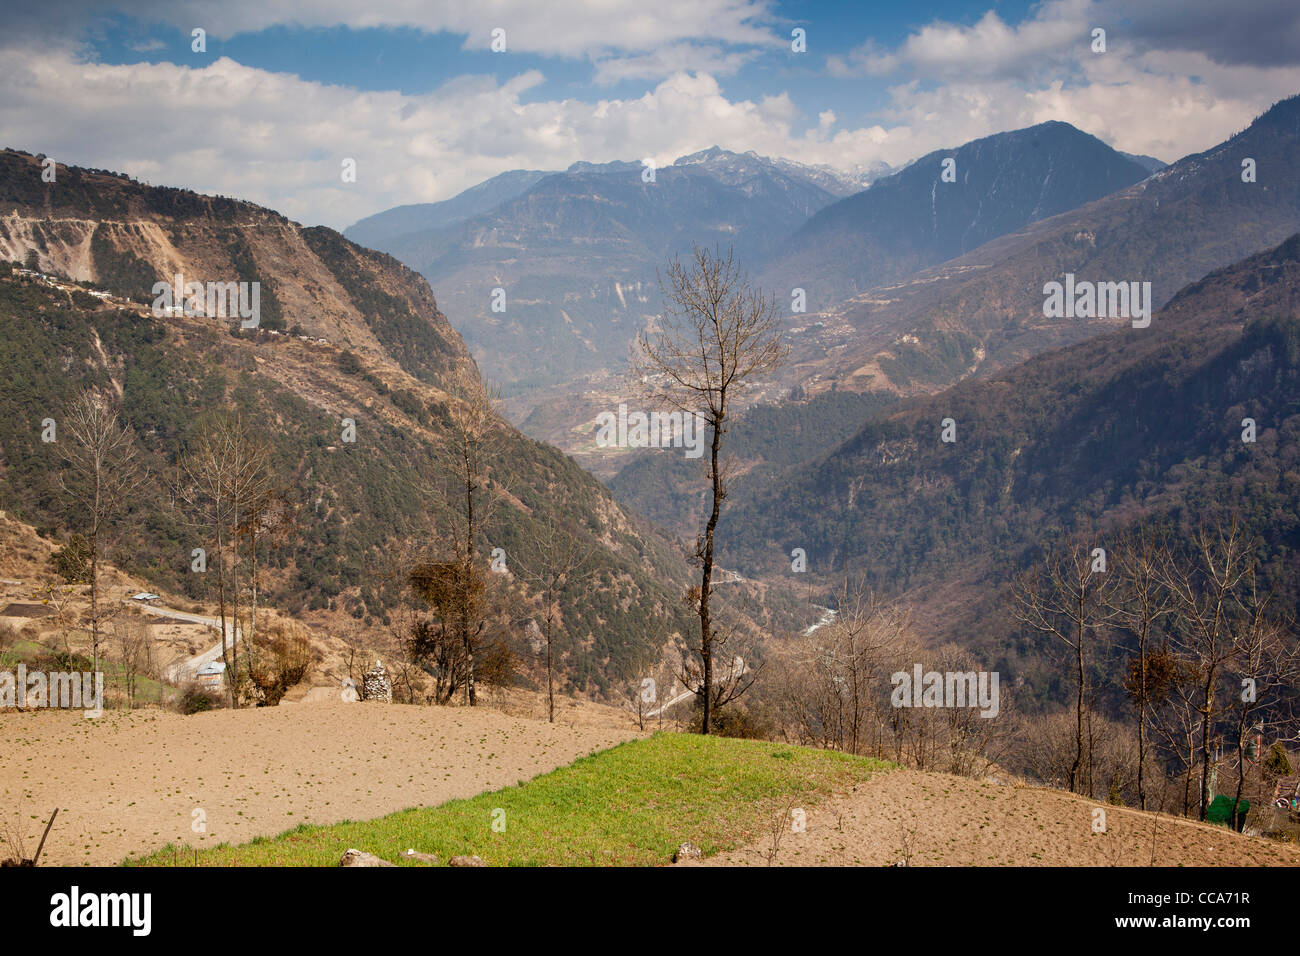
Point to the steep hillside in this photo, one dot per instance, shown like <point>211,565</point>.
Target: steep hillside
<point>917,217</point>
<point>1135,422</point>
<point>675,489</point>
<point>984,311</point>
<point>125,236</point>
<point>357,502</point>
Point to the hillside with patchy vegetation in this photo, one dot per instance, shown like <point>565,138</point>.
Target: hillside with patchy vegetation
<point>369,345</point>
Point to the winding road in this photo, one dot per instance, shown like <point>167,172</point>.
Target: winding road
<point>185,669</point>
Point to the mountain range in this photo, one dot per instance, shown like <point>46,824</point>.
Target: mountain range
<point>946,203</point>
<point>984,310</point>
<point>550,285</point>
<point>368,343</point>
<point>1124,425</point>
<point>576,254</point>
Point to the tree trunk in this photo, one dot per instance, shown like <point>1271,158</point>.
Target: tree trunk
<point>469,569</point>
<point>1078,711</point>
<point>221,603</point>
<point>550,687</point>
<point>252,614</point>
<point>94,600</point>
<point>1241,767</point>
<point>234,594</point>
<point>94,566</point>
<point>1142,701</point>
<point>1205,747</point>
<point>706,577</point>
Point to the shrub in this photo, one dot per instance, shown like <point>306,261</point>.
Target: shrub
<point>349,364</point>
<point>61,660</point>
<point>733,721</point>
<point>496,665</point>
<point>194,699</point>
<point>1276,763</point>
<point>72,561</point>
<point>281,662</point>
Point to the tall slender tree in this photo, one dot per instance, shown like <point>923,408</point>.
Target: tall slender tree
<point>227,473</point>
<point>551,562</point>
<point>1142,602</point>
<point>1266,657</point>
<point>271,516</point>
<point>475,429</point>
<point>1066,596</point>
<point>717,336</point>
<point>1207,592</point>
<point>103,469</point>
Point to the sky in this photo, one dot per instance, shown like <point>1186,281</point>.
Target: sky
<point>284,92</point>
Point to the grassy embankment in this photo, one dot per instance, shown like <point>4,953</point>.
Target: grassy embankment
<point>627,806</point>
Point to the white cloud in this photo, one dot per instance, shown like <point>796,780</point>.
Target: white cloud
<point>956,82</point>
<point>278,140</point>
<point>678,58</point>
<point>570,28</point>
<point>1056,35</point>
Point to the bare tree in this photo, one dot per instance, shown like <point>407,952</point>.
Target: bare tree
<point>1207,598</point>
<point>227,474</point>
<point>102,472</point>
<point>780,820</point>
<point>1066,599</point>
<point>401,621</point>
<point>971,741</point>
<point>717,336</point>
<point>207,490</point>
<point>456,591</point>
<point>60,598</point>
<point>475,428</point>
<point>1267,658</point>
<point>553,561</point>
<point>270,516</point>
<point>135,648</point>
<point>640,701</point>
<point>1175,714</point>
<point>1141,602</point>
<point>1049,747</point>
<point>829,680</point>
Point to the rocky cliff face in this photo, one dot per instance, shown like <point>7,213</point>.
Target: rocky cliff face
<point>124,236</point>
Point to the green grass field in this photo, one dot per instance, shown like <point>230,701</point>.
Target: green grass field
<point>34,654</point>
<point>628,806</point>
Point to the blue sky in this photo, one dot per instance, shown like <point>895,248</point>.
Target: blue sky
<point>414,62</point>
<point>287,90</point>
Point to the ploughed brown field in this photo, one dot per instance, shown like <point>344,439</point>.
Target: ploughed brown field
<point>129,782</point>
<point>935,819</point>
